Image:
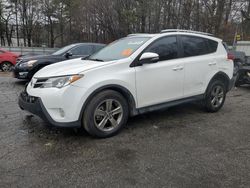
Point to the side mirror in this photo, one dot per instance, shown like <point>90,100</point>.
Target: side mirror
<point>149,57</point>
<point>68,54</point>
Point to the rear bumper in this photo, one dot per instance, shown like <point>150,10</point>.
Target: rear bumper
<point>35,106</point>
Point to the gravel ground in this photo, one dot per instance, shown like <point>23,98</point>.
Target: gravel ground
<point>179,147</point>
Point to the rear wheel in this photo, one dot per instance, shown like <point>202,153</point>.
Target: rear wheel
<point>215,96</point>
<point>6,66</point>
<point>106,114</point>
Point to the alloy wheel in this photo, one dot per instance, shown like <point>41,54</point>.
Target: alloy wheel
<point>217,96</point>
<point>108,115</point>
<point>6,67</point>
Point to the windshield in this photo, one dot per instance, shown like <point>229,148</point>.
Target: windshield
<point>119,49</point>
<point>63,50</point>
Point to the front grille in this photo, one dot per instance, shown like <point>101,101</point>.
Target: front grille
<point>27,98</point>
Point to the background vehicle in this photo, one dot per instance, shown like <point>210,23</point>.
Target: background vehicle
<point>244,76</point>
<point>27,66</point>
<point>134,75</point>
<point>7,60</point>
<point>239,58</point>
<point>241,66</point>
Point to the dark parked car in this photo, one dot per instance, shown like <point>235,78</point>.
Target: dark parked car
<point>241,66</point>
<point>27,66</point>
<point>244,75</point>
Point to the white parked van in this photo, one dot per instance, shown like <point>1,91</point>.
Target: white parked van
<point>136,74</point>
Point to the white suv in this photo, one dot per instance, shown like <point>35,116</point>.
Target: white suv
<point>134,75</point>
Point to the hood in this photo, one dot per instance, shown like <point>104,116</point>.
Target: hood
<point>40,58</point>
<point>69,67</point>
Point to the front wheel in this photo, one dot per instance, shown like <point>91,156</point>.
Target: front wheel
<point>106,114</point>
<point>215,96</point>
<point>6,66</point>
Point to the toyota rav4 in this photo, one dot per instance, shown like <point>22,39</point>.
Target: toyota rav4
<point>134,75</point>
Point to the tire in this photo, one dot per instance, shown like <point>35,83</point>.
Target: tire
<point>6,66</point>
<point>240,79</point>
<point>98,119</point>
<point>237,66</point>
<point>238,82</point>
<point>215,96</point>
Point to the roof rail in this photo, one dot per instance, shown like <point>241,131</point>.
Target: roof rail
<point>136,34</point>
<point>187,31</point>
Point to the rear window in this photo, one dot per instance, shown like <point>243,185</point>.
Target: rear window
<point>195,46</point>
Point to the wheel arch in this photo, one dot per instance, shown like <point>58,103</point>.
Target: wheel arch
<point>7,61</point>
<point>220,76</point>
<point>122,90</point>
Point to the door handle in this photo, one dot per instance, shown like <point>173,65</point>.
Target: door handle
<point>211,64</point>
<point>178,68</point>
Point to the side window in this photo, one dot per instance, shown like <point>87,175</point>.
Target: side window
<point>166,47</point>
<point>213,45</point>
<point>82,50</point>
<point>194,46</point>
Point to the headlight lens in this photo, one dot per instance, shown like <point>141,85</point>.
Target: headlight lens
<point>59,82</point>
<point>28,64</point>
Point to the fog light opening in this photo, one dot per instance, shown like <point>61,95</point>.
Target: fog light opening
<point>62,113</point>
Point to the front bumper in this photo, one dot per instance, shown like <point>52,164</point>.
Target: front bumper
<point>21,73</point>
<point>35,106</point>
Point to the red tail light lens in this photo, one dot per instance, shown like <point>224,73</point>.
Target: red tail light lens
<point>230,56</point>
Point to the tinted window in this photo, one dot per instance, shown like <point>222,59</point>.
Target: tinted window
<point>82,50</point>
<point>194,46</point>
<point>166,48</point>
<point>63,50</point>
<point>213,45</point>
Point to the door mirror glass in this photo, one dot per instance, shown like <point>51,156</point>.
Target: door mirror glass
<point>68,54</point>
<point>149,57</point>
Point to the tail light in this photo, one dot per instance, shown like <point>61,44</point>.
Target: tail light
<point>230,56</point>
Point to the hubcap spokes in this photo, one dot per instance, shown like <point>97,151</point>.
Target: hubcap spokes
<point>108,115</point>
<point>6,67</point>
<point>217,96</point>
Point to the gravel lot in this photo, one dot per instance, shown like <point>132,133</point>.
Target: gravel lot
<point>179,147</point>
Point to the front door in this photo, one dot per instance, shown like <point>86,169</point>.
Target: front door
<point>162,81</point>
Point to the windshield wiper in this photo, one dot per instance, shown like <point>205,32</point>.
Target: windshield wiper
<point>95,60</point>
<point>85,58</point>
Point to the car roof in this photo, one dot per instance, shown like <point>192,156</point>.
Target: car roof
<point>89,43</point>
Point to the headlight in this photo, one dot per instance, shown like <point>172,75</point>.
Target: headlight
<point>59,82</point>
<point>29,63</point>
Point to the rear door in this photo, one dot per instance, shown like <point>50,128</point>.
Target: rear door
<point>199,58</point>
